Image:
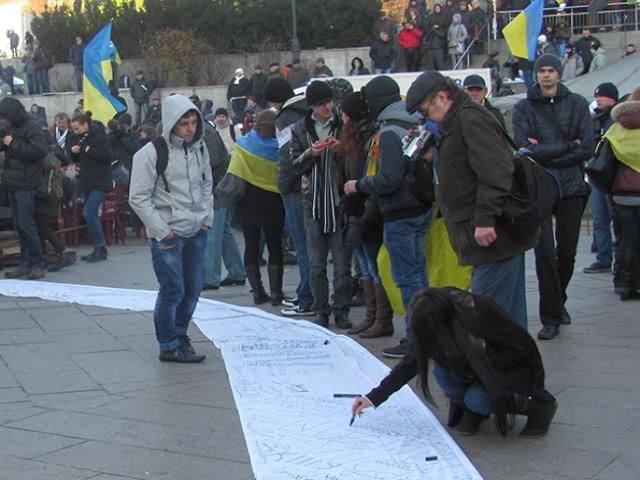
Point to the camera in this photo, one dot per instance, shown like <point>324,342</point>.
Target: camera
<point>416,144</point>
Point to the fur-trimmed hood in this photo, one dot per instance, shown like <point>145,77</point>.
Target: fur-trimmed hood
<point>627,114</point>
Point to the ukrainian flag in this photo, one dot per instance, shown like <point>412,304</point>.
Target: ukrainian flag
<point>98,55</point>
<point>255,159</point>
<point>522,32</point>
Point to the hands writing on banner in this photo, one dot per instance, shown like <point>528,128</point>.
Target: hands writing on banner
<point>359,405</point>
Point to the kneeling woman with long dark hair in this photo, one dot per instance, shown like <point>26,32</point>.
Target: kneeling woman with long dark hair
<point>484,362</point>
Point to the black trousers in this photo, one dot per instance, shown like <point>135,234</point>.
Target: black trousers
<point>273,236</point>
<point>555,257</point>
<point>46,232</point>
<point>435,59</point>
<point>412,59</point>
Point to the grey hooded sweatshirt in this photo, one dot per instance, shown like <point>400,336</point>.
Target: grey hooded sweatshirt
<point>188,205</point>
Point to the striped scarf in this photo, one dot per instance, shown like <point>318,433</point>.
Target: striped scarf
<point>323,181</point>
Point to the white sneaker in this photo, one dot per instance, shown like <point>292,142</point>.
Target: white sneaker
<point>296,311</point>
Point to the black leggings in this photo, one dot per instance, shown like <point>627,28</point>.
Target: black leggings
<point>252,244</point>
<point>46,232</point>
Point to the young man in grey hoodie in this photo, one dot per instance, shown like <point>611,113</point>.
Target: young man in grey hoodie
<point>176,206</point>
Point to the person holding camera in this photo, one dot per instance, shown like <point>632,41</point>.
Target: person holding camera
<point>475,173</point>
<point>406,218</point>
<point>24,148</point>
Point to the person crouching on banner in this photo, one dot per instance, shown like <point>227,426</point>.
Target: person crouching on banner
<point>364,220</point>
<point>483,361</point>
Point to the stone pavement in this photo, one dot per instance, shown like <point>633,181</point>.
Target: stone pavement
<point>83,396</point>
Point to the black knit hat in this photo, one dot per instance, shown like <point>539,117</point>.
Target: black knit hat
<point>317,92</point>
<point>548,60</point>
<point>379,93</point>
<point>607,89</point>
<point>221,111</point>
<point>425,85</point>
<point>277,90</point>
<point>355,106</point>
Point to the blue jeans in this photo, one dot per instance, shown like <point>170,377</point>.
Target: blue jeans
<point>378,71</point>
<point>404,240</point>
<point>295,226</point>
<point>367,254</point>
<point>601,226</point>
<point>22,204</point>
<point>504,283</point>
<point>527,76</point>
<point>92,201</point>
<point>178,263</point>
<point>222,247</point>
<point>475,396</point>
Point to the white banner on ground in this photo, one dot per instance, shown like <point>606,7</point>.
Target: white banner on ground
<point>284,374</point>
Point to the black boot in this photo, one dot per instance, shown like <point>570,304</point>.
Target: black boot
<point>255,280</point>
<point>63,259</point>
<point>98,254</point>
<point>276,274</point>
<point>470,422</point>
<point>456,410</point>
<point>627,284</point>
<point>539,414</point>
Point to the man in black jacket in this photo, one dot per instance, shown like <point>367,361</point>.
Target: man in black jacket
<point>555,126</point>
<point>140,91</point>
<point>76,57</point>
<point>476,87</point>
<point>258,83</point>
<point>436,38</point>
<point>313,159</point>
<point>24,148</point>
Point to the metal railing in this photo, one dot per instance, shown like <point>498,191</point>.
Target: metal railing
<point>616,16</point>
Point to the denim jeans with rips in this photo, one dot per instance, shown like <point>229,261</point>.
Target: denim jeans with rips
<point>179,266</point>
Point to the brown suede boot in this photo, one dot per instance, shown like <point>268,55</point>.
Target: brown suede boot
<point>370,304</point>
<point>255,280</point>
<point>383,327</point>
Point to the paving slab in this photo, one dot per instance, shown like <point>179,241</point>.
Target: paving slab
<point>22,469</point>
<point>26,444</point>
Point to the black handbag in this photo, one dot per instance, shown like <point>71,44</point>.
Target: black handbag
<point>602,166</point>
<point>229,191</point>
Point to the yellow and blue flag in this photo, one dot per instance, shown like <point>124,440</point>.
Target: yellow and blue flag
<point>98,55</point>
<point>522,32</point>
<point>255,159</point>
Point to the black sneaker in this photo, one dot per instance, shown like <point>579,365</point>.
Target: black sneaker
<point>399,351</point>
<point>342,321</point>
<point>99,254</point>
<point>566,318</point>
<point>180,355</point>
<point>597,267</point>
<point>230,282</point>
<point>185,344</point>
<point>296,311</point>
<point>322,319</point>
<point>548,332</point>
<point>290,302</point>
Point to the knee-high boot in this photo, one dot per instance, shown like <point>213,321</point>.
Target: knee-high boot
<point>255,280</point>
<point>370,304</point>
<point>276,275</point>
<point>383,327</point>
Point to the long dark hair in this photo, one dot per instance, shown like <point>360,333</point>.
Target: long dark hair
<point>448,330</point>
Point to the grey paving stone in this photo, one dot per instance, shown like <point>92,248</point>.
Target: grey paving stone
<point>201,441</point>
<point>608,418</point>
<point>56,382</point>
<point>15,411</point>
<point>57,310</point>
<point>74,401</point>
<point>113,367</point>
<point>598,397</point>
<point>24,444</point>
<point>23,336</point>
<point>74,424</point>
<point>73,320</point>
<point>625,467</point>
<point>607,360</point>
<point>14,319</point>
<point>145,463</point>
<point>123,324</point>
<point>36,358</point>
<point>8,303</point>
<point>6,377</point>
<point>36,303</point>
<point>169,413</point>
<point>86,341</point>
<point>21,469</point>
<point>12,395</point>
